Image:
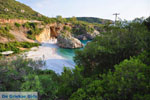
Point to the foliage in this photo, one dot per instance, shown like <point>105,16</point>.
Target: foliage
<point>17,25</point>
<point>70,82</point>
<point>14,10</point>
<point>82,28</point>
<point>33,30</point>
<point>147,23</point>
<point>14,46</point>
<point>25,74</point>
<point>32,83</point>
<point>129,81</point>
<point>114,66</point>
<point>90,20</point>
<point>67,28</point>
<point>12,72</point>
<point>60,19</point>
<point>4,32</point>
<point>117,44</point>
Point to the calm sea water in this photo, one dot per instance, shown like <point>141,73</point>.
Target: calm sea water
<point>69,53</point>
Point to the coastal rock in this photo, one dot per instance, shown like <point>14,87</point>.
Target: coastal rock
<point>88,36</point>
<point>68,42</point>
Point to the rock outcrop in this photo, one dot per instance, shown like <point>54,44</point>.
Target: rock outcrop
<point>68,42</point>
<point>88,36</point>
<point>44,35</point>
<point>49,31</point>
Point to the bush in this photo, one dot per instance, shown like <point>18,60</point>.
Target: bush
<point>70,82</point>
<point>13,71</point>
<point>17,25</point>
<point>67,28</point>
<point>129,81</point>
<point>82,28</point>
<point>4,32</point>
<point>33,30</point>
<point>14,46</point>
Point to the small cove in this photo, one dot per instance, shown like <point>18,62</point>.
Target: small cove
<point>55,58</point>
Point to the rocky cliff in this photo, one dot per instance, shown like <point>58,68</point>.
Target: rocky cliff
<point>65,40</point>
<point>66,33</point>
<point>65,37</point>
<point>44,35</point>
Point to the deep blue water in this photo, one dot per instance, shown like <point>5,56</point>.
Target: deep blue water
<point>69,53</point>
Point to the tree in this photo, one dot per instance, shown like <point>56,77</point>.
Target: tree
<point>129,81</point>
<point>115,45</point>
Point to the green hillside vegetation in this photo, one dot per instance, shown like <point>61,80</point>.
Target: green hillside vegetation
<point>11,9</point>
<point>14,46</point>
<point>115,66</point>
<point>93,20</point>
<point>82,28</point>
<point>4,32</point>
<point>33,30</point>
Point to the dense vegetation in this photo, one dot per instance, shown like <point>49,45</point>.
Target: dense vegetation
<point>4,32</point>
<point>33,30</point>
<point>114,66</point>
<point>92,20</point>
<point>14,46</point>
<point>12,9</point>
<point>116,44</point>
<point>82,28</point>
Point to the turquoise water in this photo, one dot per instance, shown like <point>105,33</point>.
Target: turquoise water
<point>69,53</point>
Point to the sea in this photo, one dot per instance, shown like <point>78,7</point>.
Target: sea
<point>70,53</point>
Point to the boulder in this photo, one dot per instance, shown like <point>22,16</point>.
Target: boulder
<point>68,42</point>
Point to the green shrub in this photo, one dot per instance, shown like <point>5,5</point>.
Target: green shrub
<point>70,82</point>
<point>82,28</point>
<point>129,81</point>
<point>67,28</point>
<point>14,46</point>
<point>4,32</point>
<point>17,25</point>
<point>33,30</point>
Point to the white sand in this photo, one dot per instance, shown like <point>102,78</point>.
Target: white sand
<point>54,61</point>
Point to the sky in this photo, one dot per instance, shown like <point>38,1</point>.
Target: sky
<point>128,9</point>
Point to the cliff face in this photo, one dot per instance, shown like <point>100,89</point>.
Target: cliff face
<point>64,35</point>
<point>50,31</point>
<point>44,35</point>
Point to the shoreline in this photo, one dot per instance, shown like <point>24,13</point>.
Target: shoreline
<point>47,52</point>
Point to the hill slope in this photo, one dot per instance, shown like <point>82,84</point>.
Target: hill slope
<point>93,20</point>
<point>15,9</point>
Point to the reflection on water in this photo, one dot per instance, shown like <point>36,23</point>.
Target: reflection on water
<point>69,53</point>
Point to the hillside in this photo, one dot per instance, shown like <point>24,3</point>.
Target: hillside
<point>93,20</point>
<point>15,9</point>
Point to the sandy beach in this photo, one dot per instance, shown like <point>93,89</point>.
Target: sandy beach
<point>47,51</point>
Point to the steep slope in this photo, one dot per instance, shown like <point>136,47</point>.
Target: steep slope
<point>15,9</point>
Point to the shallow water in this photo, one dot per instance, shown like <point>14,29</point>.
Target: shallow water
<point>69,53</point>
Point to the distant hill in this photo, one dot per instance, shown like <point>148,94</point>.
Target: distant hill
<point>93,20</point>
<point>15,9</point>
